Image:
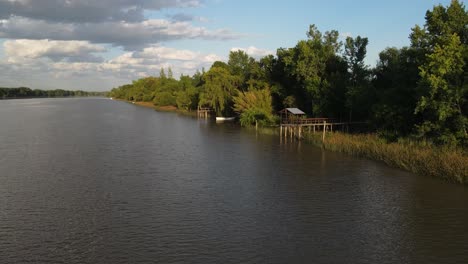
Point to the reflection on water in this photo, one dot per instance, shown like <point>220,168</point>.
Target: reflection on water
<point>100,181</point>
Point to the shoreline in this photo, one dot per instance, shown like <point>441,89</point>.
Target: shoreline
<point>429,161</point>
<point>48,97</point>
<point>170,108</point>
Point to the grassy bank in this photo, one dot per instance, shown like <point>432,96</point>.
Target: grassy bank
<point>426,160</point>
<point>449,164</point>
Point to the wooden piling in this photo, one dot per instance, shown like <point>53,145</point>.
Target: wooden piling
<point>324,128</point>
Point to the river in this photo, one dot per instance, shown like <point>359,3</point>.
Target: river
<point>99,181</point>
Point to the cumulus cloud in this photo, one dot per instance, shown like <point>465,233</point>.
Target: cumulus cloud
<point>156,57</point>
<point>87,11</point>
<point>130,35</point>
<point>254,51</point>
<point>37,67</point>
<point>63,43</point>
<point>24,49</point>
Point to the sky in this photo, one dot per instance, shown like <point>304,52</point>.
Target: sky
<point>98,45</point>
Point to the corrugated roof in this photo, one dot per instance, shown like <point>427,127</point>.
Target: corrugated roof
<point>295,111</point>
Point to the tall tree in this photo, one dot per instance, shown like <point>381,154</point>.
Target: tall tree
<point>444,90</point>
<point>240,64</point>
<point>305,68</point>
<point>395,79</point>
<point>218,90</point>
<point>357,94</point>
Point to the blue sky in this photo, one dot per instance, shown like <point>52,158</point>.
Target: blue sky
<point>274,24</point>
<point>97,46</point>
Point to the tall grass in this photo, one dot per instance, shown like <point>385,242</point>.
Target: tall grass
<point>423,159</point>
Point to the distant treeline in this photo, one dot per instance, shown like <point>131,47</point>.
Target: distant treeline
<point>418,92</point>
<point>25,92</point>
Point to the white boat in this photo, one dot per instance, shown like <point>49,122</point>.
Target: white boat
<point>223,119</point>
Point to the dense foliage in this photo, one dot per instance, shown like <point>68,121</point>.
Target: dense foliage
<point>418,91</point>
<point>24,92</point>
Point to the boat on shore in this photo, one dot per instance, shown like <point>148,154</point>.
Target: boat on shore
<point>224,119</point>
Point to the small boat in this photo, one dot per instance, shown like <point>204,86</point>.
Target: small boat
<point>224,119</point>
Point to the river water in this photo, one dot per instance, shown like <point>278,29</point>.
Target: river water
<point>101,181</point>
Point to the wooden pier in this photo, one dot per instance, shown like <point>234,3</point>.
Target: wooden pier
<point>204,112</point>
<point>294,123</point>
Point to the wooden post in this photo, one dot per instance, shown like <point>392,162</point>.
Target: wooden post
<point>281,130</point>
<point>324,128</point>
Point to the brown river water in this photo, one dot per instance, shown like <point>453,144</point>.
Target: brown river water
<point>99,181</point>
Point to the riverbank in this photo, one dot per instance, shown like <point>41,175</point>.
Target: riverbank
<point>439,162</point>
<point>49,97</point>
<point>424,160</point>
<point>432,161</point>
<point>169,108</point>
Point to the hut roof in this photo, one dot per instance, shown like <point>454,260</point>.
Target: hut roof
<point>294,111</point>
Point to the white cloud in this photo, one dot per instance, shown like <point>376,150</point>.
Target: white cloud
<point>24,49</point>
<point>254,51</point>
<point>62,43</point>
<point>41,71</point>
<point>80,11</point>
<point>130,35</point>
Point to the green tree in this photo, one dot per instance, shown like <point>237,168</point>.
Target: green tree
<point>170,75</point>
<point>218,90</point>
<point>395,81</point>
<point>304,70</point>
<point>164,99</point>
<point>358,94</point>
<point>444,80</point>
<point>443,85</point>
<point>240,65</point>
<point>188,97</point>
<point>254,106</point>
<point>162,74</point>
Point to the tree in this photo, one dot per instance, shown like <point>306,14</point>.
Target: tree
<point>395,81</point>
<point>358,85</point>
<point>254,106</point>
<point>240,65</point>
<point>162,74</point>
<point>444,102</point>
<point>188,97</point>
<point>443,86</point>
<point>170,75</point>
<point>218,90</point>
<point>304,69</point>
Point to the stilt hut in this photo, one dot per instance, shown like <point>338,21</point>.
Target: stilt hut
<point>291,115</point>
